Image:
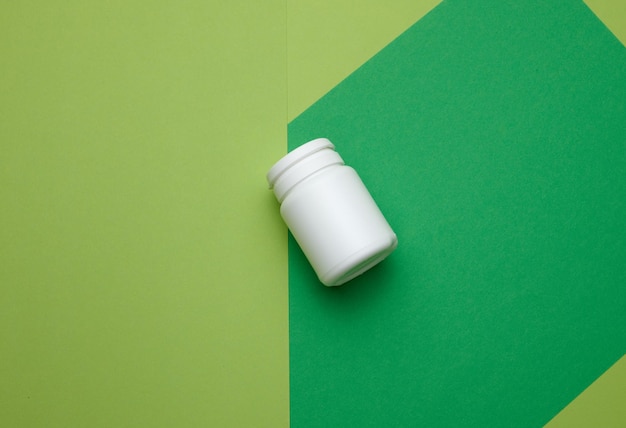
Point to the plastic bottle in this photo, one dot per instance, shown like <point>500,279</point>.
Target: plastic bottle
<point>330,213</point>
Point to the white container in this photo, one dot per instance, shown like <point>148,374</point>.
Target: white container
<point>330,213</point>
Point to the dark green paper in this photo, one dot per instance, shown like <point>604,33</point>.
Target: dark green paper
<point>493,137</point>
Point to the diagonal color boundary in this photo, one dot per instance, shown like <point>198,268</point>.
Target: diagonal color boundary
<point>601,404</point>
<point>599,8</point>
<point>328,40</point>
<point>613,14</point>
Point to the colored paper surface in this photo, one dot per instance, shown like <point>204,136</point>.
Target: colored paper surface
<point>613,15</point>
<point>492,137</point>
<point>327,40</point>
<point>143,268</point>
<point>602,404</point>
<point>143,265</point>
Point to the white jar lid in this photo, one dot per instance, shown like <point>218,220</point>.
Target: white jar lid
<point>300,164</point>
<point>295,156</point>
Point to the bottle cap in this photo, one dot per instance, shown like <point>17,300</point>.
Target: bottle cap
<point>295,156</point>
<point>301,163</point>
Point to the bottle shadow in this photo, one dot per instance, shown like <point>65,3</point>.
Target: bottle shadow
<point>363,293</point>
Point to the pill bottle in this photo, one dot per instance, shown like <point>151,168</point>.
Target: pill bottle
<point>330,212</point>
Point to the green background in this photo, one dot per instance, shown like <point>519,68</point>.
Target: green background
<point>143,275</point>
<point>493,139</point>
<point>602,403</point>
<point>327,40</point>
<point>143,266</point>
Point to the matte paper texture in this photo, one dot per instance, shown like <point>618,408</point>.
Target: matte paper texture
<point>143,276</point>
<point>493,138</point>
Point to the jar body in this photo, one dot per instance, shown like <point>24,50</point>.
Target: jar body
<point>337,224</point>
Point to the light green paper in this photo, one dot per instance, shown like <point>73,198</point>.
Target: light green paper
<point>327,40</point>
<point>601,404</point>
<point>613,15</point>
<point>142,270</point>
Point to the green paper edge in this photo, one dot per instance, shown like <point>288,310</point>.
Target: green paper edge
<point>601,404</point>
<point>328,40</point>
<point>613,14</point>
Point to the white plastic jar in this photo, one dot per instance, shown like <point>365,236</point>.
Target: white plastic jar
<point>330,213</point>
